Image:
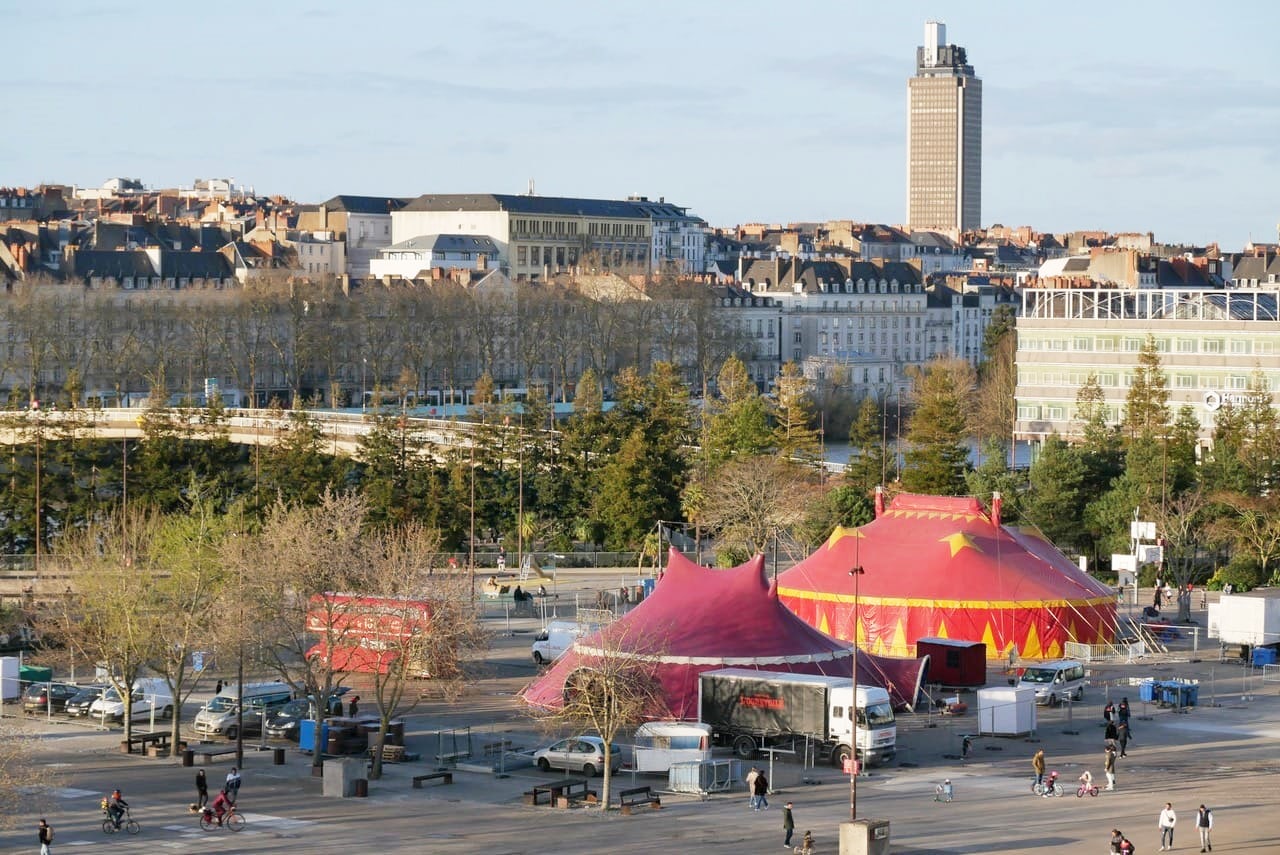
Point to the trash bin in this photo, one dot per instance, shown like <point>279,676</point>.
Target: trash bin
<point>395,733</point>
<point>1264,656</point>
<point>188,757</point>
<point>362,787</point>
<point>1147,690</point>
<point>277,756</point>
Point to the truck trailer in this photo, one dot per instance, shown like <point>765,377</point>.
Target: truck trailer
<point>756,710</point>
<point>1252,618</point>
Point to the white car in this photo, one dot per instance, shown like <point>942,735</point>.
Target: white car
<point>583,754</point>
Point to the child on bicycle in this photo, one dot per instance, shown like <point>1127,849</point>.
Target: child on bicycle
<point>1051,784</point>
<point>1086,780</point>
<point>944,792</point>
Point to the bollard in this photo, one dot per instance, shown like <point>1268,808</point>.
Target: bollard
<point>277,757</point>
<point>188,757</point>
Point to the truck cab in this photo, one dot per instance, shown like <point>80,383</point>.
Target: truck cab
<point>877,729</point>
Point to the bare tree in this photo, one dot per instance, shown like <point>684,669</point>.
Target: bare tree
<point>109,616</point>
<point>427,623</point>
<point>614,688</point>
<point>752,498</point>
<point>26,780</point>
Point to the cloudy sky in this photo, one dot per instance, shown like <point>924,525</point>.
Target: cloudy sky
<point>1161,116</point>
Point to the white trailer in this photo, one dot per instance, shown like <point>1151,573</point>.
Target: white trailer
<point>1252,618</point>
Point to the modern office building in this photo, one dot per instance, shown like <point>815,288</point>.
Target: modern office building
<point>944,137</point>
<point>1211,341</point>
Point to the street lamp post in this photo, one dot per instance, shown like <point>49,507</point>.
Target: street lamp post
<point>364,366</point>
<point>856,573</point>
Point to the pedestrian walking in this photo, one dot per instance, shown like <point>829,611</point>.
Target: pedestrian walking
<point>751,787</point>
<point>1122,715</point>
<point>46,837</point>
<point>761,786</point>
<point>202,789</point>
<point>217,689</point>
<point>1116,839</point>
<point>1037,763</point>
<point>1122,737</point>
<point>1109,766</point>
<point>354,706</point>
<point>1168,819</point>
<point>1204,822</point>
<point>1108,712</point>
<point>944,792</point>
<point>1112,732</point>
<point>233,784</point>
<point>788,825</point>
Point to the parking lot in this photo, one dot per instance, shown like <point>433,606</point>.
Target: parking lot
<point>1220,752</point>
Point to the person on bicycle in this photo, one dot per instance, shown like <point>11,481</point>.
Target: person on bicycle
<point>221,804</point>
<point>116,806</point>
<point>1051,784</point>
<point>1086,780</point>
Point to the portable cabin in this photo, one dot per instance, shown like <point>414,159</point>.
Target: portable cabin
<point>953,662</point>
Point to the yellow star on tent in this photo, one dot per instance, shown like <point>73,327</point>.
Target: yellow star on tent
<point>959,541</point>
<point>840,533</point>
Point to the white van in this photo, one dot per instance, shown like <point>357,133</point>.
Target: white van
<point>149,693</point>
<point>1055,681</point>
<point>559,635</point>
<point>662,743</point>
<point>218,717</point>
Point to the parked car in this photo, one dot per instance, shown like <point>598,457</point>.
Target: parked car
<point>286,722</point>
<point>40,697</point>
<point>583,754</point>
<point>79,703</point>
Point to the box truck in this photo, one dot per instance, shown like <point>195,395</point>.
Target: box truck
<point>754,710</point>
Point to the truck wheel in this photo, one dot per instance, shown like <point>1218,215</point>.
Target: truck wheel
<point>842,754</point>
<point>744,747</point>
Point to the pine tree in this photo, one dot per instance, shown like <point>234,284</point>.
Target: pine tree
<point>1054,499</point>
<point>1146,407</point>
<point>866,466</point>
<point>937,457</point>
<point>794,436</point>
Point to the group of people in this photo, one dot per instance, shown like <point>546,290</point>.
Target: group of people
<point>1167,822</point>
<point>225,799</point>
<point>758,791</point>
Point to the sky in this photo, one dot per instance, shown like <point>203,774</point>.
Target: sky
<point>1125,116</point>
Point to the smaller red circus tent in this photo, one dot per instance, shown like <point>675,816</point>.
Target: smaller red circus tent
<point>699,619</point>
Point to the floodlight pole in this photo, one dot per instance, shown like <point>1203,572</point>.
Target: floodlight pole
<point>856,573</point>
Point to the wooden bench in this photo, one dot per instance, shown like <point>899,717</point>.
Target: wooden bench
<point>560,793</point>
<point>445,777</point>
<point>143,740</point>
<point>627,799</point>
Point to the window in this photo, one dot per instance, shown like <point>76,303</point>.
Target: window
<point>799,338</point>
<point>1028,412</point>
<point>1186,345</point>
<point>1264,348</point>
<point>1055,414</point>
<point>1081,343</point>
<point>1212,345</point>
<point>1185,381</point>
<point>1132,345</point>
<point>1239,346</point>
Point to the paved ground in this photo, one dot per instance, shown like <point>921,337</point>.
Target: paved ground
<point>1221,753</point>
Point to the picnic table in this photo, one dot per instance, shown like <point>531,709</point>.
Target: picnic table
<point>560,792</point>
<point>159,739</point>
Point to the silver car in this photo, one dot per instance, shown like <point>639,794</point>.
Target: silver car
<point>583,754</point>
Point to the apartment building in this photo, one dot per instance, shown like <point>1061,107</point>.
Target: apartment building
<point>1210,343</point>
<point>540,236</point>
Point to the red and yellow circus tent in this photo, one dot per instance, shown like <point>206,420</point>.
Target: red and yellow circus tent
<point>936,566</point>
